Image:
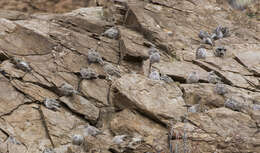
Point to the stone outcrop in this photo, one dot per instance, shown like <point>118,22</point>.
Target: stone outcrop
<point>132,112</point>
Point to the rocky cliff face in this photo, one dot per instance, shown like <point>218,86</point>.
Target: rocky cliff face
<point>67,85</point>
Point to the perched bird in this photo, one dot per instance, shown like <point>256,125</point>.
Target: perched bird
<point>208,41</point>
<point>203,34</point>
<point>152,50</point>
<point>51,104</point>
<point>233,104</point>
<point>67,89</point>
<point>94,57</point>
<point>77,139</point>
<point>110,70</point>
<point>22,65</point>
<point>213,78</point>
<point>221,89</point>
<point>201,52</point>
<point>119,139</point>
<point>194,108</point>
<point>240,4</point>
<point>91,130</point>
<point>220,32</point>
<point>154,58</point>
<point>12,140</point>
<point>154,75</point>
<point>193,77</point>
<point>48,150</point>
<point>220,51</point>
<point>166,78</point>
<point>88,73</point>
<point>112,33</point>
<point>256,107</point>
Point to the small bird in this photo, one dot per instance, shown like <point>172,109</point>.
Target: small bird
<point>193,77</point>
<point>112,33</point>
<point>94,57</point>
<point>256,107</point>
<point>67,89</point>
<point>208,41</point>
<point>152,50</point>
<point>213,78</point>
<point>110,70</point>
<point>154,75</point>
<point>203,34</point>
<point>221,89</point>
<point>48,150</point>
<point>91,130</point>
<point>12,140</point>
<point>220,51</point>
<point>22,65</point>
<point>233,104</point>
<point>51,104</point>
<point>154,58</point>
<point>194,108</point>
<point>77,139</point>
<point>166,78</point>
<point>119,139</point>
<point>201,52</point>
<point>88,73</point>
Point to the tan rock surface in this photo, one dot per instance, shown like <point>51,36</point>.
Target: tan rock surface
<point>56,46</point>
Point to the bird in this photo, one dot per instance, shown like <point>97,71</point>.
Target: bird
<point>208,41</point>
<point>22,65</point>
<point>48,150</point>
<point>91,130</point>
<point>220,51</point>
<point>154,75</point>
<point>88,73</point>
<point>112,33</point>
<point>119,139</point>
<point>153,58</point>
<point>67,89</point>
<point>213,78</point>
<point>194,108</point>
<point>256,107</point>
<point>201,52</point>
<point>166,78</point>
<point>221,89</point>
<point>203,34</point>
<point>152,50</point>
<point>233,104</point>
<point>52,104</point>
<point>218,34</point>
<point>94,57</point>
<point>193,77</point>
<point>240,4</point>
<point>77,139</point>
<point>110,70</point>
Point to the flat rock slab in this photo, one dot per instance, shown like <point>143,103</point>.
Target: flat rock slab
<point>10,97</point>
<point>180,70</point>
<point>82,106</point>
<point>251,60</point>
<point>156,99</point>
<point>97,89</point>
